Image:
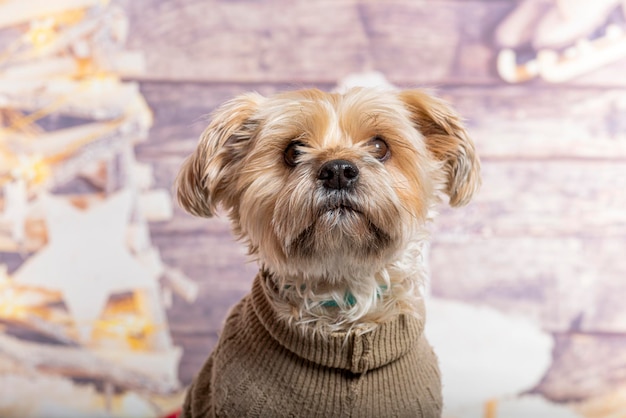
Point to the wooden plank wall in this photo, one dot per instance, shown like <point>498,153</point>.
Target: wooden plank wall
<point>546,235</point>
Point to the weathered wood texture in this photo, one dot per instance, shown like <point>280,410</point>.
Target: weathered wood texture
<point>544,123</point>
<point>552,198</point>
<point>412,42</point>
<point>564,283</point>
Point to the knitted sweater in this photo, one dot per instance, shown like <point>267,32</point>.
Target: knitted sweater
<point>261,367</point>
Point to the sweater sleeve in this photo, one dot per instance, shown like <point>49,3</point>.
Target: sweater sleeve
<point>199,398</point>
<point>186,411</point>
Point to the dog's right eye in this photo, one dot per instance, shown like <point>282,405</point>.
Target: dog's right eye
<point>292,152</point>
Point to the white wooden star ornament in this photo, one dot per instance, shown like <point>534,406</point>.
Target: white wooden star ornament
<point>87,257</point>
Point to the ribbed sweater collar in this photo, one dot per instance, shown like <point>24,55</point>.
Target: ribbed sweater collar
<point>344,350</point>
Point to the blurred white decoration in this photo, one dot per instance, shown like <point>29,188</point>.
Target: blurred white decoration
<point>15,209</point>
<point>181,284</point>
<point>66,113</point>
<point>372,79</point>
<point>87,258</point>
<point>162,365</point>
<point>17,12</point>
<point>28,396</point>
<point>156,205</point>
<point>560,33</point>
<point>484,355</point>
<point>558,67</point>
<point>532,406</point>
<point>132,406</point>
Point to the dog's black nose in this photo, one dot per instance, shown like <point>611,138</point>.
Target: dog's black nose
<point>338,174</point>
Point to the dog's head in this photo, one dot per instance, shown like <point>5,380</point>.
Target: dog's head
<point>325,185</point>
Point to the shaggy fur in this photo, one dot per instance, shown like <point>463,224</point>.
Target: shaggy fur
<point>346,259</point>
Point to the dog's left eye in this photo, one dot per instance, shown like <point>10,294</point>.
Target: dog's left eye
<point>292,152</point>
<point>380,149</point>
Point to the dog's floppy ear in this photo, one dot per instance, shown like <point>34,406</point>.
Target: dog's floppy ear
<point>448,141</point>
<point>207,176</point>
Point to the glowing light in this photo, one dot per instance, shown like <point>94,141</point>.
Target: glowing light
<point>85,67</point>
<point>134,329</point>
<point>102,82</point>
<point>70,17</point>
<point>10,301</point>
<point>42,33</point>
<point>32,168</point>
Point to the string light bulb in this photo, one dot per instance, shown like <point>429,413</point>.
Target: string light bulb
<point>42,33</point>
<point>32,168</point>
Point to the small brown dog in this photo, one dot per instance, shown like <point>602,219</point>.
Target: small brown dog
<point>332,194</point>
